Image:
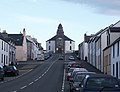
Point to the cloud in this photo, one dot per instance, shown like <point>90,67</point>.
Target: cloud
<point>110,7</point>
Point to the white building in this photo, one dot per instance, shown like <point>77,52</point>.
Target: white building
<point>60,43</point>
<point>4,51</point>
<point>115,58</point>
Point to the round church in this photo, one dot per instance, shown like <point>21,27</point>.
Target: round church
<point>60,43</point>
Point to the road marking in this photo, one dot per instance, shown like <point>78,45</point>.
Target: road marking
<point>36,79</point>
<point>23,87</point>
<point>31,83</point>
<point>15,91</point>
<point>63,84</point>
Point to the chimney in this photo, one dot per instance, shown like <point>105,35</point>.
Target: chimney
<point>24,32</point>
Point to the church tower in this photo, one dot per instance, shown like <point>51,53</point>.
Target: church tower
<point>60,43</point>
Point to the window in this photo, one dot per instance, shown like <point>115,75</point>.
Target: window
<point>118,49</point>
<point>113,69</point>
<point>49,47</point>
<point>70,48</point>
<point>6,59</point>
<point>2,45</point>
<point>49,42</point>
<point>2,58</point>
<point>113,50</point>
<point>117,69</point>
<point>70,42</point>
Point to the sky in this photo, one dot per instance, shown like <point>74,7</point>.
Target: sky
<point>41,18</point>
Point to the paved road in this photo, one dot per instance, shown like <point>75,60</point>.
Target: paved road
<point>47,77</point>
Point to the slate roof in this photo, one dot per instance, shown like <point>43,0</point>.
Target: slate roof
<point>18,39</point>
<point>114,29</point>
<point>2,38</point>
<point>65,38</point>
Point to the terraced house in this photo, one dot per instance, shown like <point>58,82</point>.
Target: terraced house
<point>100,51</point>
<point>7,50</point>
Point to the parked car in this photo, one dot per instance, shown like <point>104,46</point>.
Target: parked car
<point>78,77</point>
<point>1,72</point>
<point>11,70</point>
<point>75,71</point>
<point>61,58</point>
<point>69,73</point>
<point>99,83</point>
<point>71,58</point>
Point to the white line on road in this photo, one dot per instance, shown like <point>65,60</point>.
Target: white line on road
<point>23,87</point>
<point>15,91</point>
<point>63,84</point>
<point>31,83</point>
<point>36,79</point>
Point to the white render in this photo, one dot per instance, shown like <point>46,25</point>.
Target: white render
<point>51,45</point>
<point>98,53</point>
<point>67,46</point>
<point>103,46</point>
<point>85,50</point>
<point>115,60</point>
<point>4,52</point>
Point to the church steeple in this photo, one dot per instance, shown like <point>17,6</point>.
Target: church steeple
<point>60,31</point>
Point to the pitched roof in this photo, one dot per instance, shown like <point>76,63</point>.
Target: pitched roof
<point>18,39</point>
<point>2,38</point>
<point>52,39</point>
<point>114,29</point>
<point>65,38</point>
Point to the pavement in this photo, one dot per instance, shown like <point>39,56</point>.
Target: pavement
<point>89,67</point>
<point>23,67</point>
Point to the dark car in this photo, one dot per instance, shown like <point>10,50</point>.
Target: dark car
<point>78,77</point>
<point>1,72</point>
<point>99,83</point>
<point>61,58</point>
<point>11,70</point>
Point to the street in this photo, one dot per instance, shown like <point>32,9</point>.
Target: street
<point>44,78</point>
<point>40,76</point>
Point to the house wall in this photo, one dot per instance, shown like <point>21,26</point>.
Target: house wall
<point>68,45</point>
<point>103,46</point>
<point>93,63</point>
<point>98,53</point>
<point>19,53</point>
<point>85,50</point>
<point>50,46</point>
<point>24,49</point>
<point>4,54</point>
<point>114,36</point>
<point>81,51</point>
<point>115,61</point>
<point>107,61</point>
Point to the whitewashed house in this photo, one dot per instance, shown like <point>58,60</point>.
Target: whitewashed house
<point>83,48</point>
<point>60,43</point>
<point>11,47</point>
<point>115,58</point>
<point>4,51</point>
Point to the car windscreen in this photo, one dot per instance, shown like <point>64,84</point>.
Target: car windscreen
<point>79,78</point>
<point>102,82</point>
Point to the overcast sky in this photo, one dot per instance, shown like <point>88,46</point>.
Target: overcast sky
<point>41,18</point>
